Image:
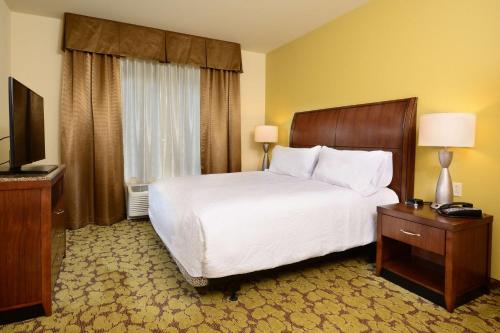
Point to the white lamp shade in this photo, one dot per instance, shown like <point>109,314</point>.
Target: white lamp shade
<point>447,130</point>
<point>266,133</point>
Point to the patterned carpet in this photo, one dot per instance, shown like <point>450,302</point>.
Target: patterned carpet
<point>121,279</point>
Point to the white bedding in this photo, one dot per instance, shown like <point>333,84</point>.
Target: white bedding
<point>226,224</point>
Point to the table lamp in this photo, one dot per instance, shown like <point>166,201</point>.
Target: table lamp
<point>266,134</point>
<point>446,130</point>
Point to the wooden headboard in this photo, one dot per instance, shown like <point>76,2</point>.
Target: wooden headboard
<point>388,125</point>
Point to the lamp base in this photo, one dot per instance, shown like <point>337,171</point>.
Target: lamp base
<point>444,187</point>
<point>265,160</point>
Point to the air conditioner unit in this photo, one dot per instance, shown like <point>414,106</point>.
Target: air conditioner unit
<point>137,201</point>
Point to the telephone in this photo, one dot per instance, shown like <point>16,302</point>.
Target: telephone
<point>460,209</point>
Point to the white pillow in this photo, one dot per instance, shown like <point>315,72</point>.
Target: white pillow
<point>362,171</point>
<point>298,162</point>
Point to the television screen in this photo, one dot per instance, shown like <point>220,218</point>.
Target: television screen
<point>27,139</point>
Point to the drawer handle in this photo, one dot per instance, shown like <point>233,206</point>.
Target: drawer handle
<point>409,233</point>
<point>59,211</point>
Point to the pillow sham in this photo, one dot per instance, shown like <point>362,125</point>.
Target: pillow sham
<point>362,171</point>
<point>297,162</point>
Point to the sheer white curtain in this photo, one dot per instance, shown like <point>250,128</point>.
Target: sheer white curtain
<point>161,119</point>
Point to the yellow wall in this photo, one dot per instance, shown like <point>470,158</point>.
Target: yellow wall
<point>446,52</point>
<point>253,104</point>
<point>4,74</point>
<point>37,61</point>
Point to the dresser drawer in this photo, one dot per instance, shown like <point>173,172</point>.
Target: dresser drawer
<point>58,241</point>
<point>419,235</point>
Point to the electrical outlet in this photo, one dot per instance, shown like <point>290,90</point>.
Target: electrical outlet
<point>457,189</point>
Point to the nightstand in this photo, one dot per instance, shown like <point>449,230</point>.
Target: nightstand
<point>446,260</point>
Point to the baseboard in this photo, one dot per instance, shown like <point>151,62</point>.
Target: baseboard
<point>494,284</point>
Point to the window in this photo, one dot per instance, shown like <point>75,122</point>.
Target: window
<point>161,119</point>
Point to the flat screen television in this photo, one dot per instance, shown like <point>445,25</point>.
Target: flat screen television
<point>27,136</point>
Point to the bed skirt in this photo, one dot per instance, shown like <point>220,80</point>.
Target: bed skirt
<point>196,282</point>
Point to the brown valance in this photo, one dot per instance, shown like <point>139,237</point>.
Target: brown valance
<point>97,35</point>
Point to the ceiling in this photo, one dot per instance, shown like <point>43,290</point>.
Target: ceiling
<point>258,25</point>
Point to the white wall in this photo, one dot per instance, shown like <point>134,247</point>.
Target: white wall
<point>4,74</point>
<point>253,103</point>
<point>37,61</point>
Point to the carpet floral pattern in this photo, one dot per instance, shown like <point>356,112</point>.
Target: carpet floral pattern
<point>121,279</point>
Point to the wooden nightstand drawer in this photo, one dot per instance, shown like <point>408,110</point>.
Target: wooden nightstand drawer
<point>422,236</point>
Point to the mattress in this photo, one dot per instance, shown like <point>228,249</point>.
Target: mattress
<point>227,224</point>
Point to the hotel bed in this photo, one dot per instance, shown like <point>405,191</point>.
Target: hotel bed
<point>228,224</point>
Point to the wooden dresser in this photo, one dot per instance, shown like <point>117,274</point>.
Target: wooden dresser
<point>32,241</point>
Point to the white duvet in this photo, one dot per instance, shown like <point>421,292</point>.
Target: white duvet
<point>226,224</point>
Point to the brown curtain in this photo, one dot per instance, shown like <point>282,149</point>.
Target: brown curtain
<point>91,139</point>
<point>220,126</point>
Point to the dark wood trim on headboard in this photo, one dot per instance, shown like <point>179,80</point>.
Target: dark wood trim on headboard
<point>388,125</point>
